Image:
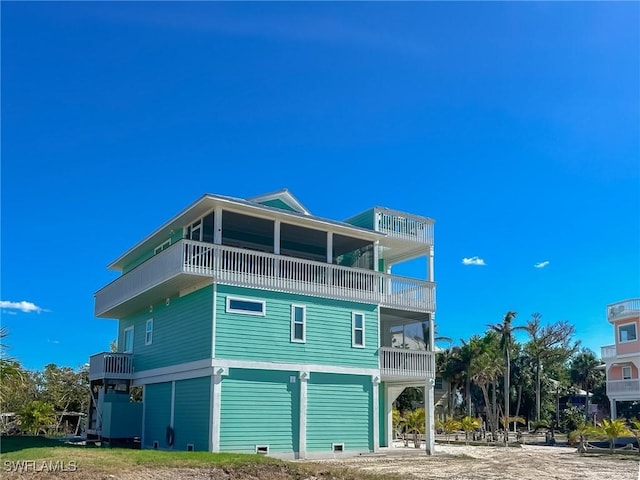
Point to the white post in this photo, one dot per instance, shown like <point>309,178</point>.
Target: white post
<point>614,411</point>
<point>302,439</point>
<point>430,265</point>
<point>216,402</point>
<point>329,247</point>
<point>375,379</point>
<point>217,225</point>
<point>276,237</point>
<point>429,421</point>
<point>376,255</point>
<point>388,405</point>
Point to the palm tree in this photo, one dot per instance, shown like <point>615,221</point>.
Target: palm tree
<point>634,427</point>
<point>37,416</point>
<point>414,423</point>
<point>10,370</point>
<point>505,331</point>
<point>469,424</point>
<point>582,432</point>
<point>584,372</point>
<point>614,429</point>
<point>448,426</point>
<point>468,351</point>
<point>484,371</point>
<point>551,343</point>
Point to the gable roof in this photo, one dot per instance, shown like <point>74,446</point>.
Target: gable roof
<point>281,199</point>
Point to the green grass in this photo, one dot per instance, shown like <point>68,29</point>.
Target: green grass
<point>99,462</point>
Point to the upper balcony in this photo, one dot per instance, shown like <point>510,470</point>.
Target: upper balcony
<point>187,263</point>
<point>116,366</point>
<point>622,310</point>
<point>402,364</point>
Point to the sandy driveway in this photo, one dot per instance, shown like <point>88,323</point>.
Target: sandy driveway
<point>489,463</point>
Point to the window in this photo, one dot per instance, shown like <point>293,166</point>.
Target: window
<point>627,333</point>
<point>148,332</point>
<point>128,340</point>
<point>246,306</point>
<point>298,320</point>
<point>163,246</point>
<point>357,327</point>
<point>194,231</point>
<point>626,373</point>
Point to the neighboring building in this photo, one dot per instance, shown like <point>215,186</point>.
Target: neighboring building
<point>622,360</point>
<point>254,326</point>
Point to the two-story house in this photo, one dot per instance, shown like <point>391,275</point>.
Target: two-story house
<point>255,326</point>
<point>622,360</point>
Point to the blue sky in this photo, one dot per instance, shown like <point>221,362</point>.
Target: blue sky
<point>515,125</point>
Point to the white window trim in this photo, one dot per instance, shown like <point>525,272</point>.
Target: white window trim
<point>624,325</point>
<point>164,245</point>
<point>304,323</point>
<point>148,339</point>
<point>245,312</point>
<point>630,373</point>
<point>353,329</point>
<point>124,339</point>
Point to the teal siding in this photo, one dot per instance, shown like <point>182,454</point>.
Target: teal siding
<point>339,411</point>
<point>121,419</point>
<point>192,416</point>
<point>175,236</point>
<point>181,331</point>
<point>363,220</point>
<point>157,414</point>
<point>268,338</point>
<point>259,407</point>
<point>277,203</point>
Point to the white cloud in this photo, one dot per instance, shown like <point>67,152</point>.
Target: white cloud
<point>54,341</point>
<point>541,264</point>
<point>23,306</point>
<point>473,261</point>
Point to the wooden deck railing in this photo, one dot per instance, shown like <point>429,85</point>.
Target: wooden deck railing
<point>111,365</point>
<point>623,386</point>
<point>402,225</point>
<point>399,362</point>
<point>242,267</point>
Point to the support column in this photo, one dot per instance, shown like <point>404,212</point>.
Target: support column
<point>216,403</point>
<point>388,406</point>
<point>429,437</point>
<point>430,265</point>
<point>330,247</point>
<point>276,237</point>
<point>173,405</point>
<point>375,379</point>
<point>217,225</point>
<point>614,409</point>
<point>302,439</point>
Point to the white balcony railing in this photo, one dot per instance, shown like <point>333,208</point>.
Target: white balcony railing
<point>623,386</point>
<point>398,362</point>
<point>405,226</point>
<point>624,309</point>
<point>110,365</point>
<point>250,268</point>
<point>608,352</point>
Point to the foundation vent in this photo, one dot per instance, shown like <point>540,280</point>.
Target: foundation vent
<point>189,447</point>
<point>337,447</point>
<point>262,449</point>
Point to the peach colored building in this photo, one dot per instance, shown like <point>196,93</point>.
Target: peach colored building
<point>622,360</point>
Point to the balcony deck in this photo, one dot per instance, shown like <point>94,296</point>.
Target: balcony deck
<point>624,390</point>
<point>608,352</point>
<point>116,366</point>
<point>404,226</point>
<point>625,309</point>
<point>396,364</point>
<point>187,263</point>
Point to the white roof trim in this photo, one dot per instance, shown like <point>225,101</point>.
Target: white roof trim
<point>283,195</point>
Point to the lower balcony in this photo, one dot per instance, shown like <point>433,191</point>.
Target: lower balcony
<point>608,352</point>
<point>399,364</point>
<point>188,263</point>
<point>115,366</point>
<point>624,389</point>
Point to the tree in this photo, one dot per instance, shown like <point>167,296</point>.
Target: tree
<point>11,373</point>
<point>551,343</point>
<point>505,331</point>
<point>584,372</point>
<point>65,389</point>
<point>414,423</point>
<point>37,416</point>
<point>468,351</point>
<point>448,426</point>
<point>614,429</point>
<point>469,425</point>
<point>484,371</point>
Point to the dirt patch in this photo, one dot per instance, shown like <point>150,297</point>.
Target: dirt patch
<point>497,463</point>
